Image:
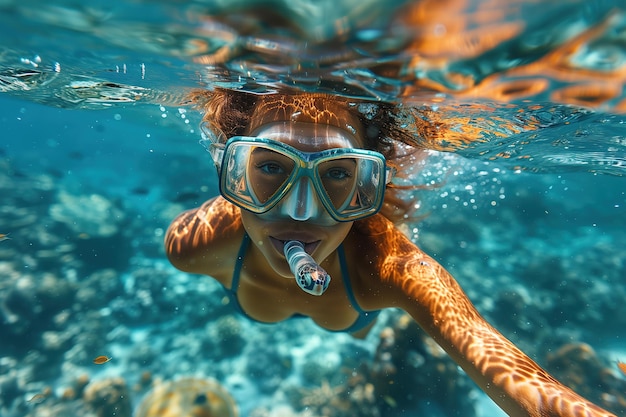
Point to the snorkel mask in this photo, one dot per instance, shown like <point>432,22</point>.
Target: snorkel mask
<point>258,173</point>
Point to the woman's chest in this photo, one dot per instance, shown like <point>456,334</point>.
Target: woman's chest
<point>282,300</point>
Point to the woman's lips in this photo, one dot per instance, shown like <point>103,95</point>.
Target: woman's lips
<point>279,245</point>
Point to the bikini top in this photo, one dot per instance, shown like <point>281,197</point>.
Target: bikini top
<point>363,320</point>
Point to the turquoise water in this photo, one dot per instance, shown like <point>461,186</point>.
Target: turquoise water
<point>98,153</point>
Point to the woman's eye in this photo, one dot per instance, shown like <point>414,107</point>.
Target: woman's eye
<point>338,173</point>
<point>270,168</point>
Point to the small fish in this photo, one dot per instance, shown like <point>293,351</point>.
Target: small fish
<point>37,399</point>
<point>390,401</point>
<point>101,359</point>
<point>4,236</point>
<point>622,367</point>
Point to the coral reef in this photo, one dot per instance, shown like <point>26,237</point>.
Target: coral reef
<point>96,226</point>
<point>407,374</point>
<point>227,335</point>
<point>108,397</point>
<point>187,397</point>
<point>69,403</point>
<point>354,398</point>
<point>269,367</point>
<point>31,305</point>
<point>410,370</point>
<point>91,216</point>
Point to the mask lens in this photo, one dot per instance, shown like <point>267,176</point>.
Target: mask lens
<point>338,178</point>
<point>268,172</point>
<point>253,175</point>
<point>352,184</point>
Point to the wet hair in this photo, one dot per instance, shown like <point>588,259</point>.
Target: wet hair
<point>231,113</point>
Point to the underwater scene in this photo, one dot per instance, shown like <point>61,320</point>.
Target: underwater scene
<point>521,195</point>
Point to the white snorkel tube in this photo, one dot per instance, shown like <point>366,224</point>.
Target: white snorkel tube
<point>309,275</point>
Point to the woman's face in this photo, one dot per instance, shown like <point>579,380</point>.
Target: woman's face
<point>300,215</point>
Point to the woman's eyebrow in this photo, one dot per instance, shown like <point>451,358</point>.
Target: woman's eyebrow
<point>259,150</point>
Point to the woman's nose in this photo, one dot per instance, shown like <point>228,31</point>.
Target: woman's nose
<point>301,202</point>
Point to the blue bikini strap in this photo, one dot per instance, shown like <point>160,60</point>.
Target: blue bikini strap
<point>345,277</point>
<point>245,242</point>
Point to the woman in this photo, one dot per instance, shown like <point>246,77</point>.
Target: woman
<point>313,169</point>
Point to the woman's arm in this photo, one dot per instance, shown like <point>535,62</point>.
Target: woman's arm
<point>423,288</point>
<point>200,240</point>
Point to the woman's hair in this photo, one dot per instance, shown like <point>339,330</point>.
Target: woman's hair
<point>235,113</point>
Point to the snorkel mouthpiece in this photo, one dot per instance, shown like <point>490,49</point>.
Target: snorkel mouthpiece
<point>309,275</point>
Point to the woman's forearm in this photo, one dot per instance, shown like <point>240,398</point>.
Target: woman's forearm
<point>514,381</point>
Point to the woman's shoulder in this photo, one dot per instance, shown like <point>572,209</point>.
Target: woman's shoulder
<point>212,229</point>
<point>380,257</point>
<point>381,234</point>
